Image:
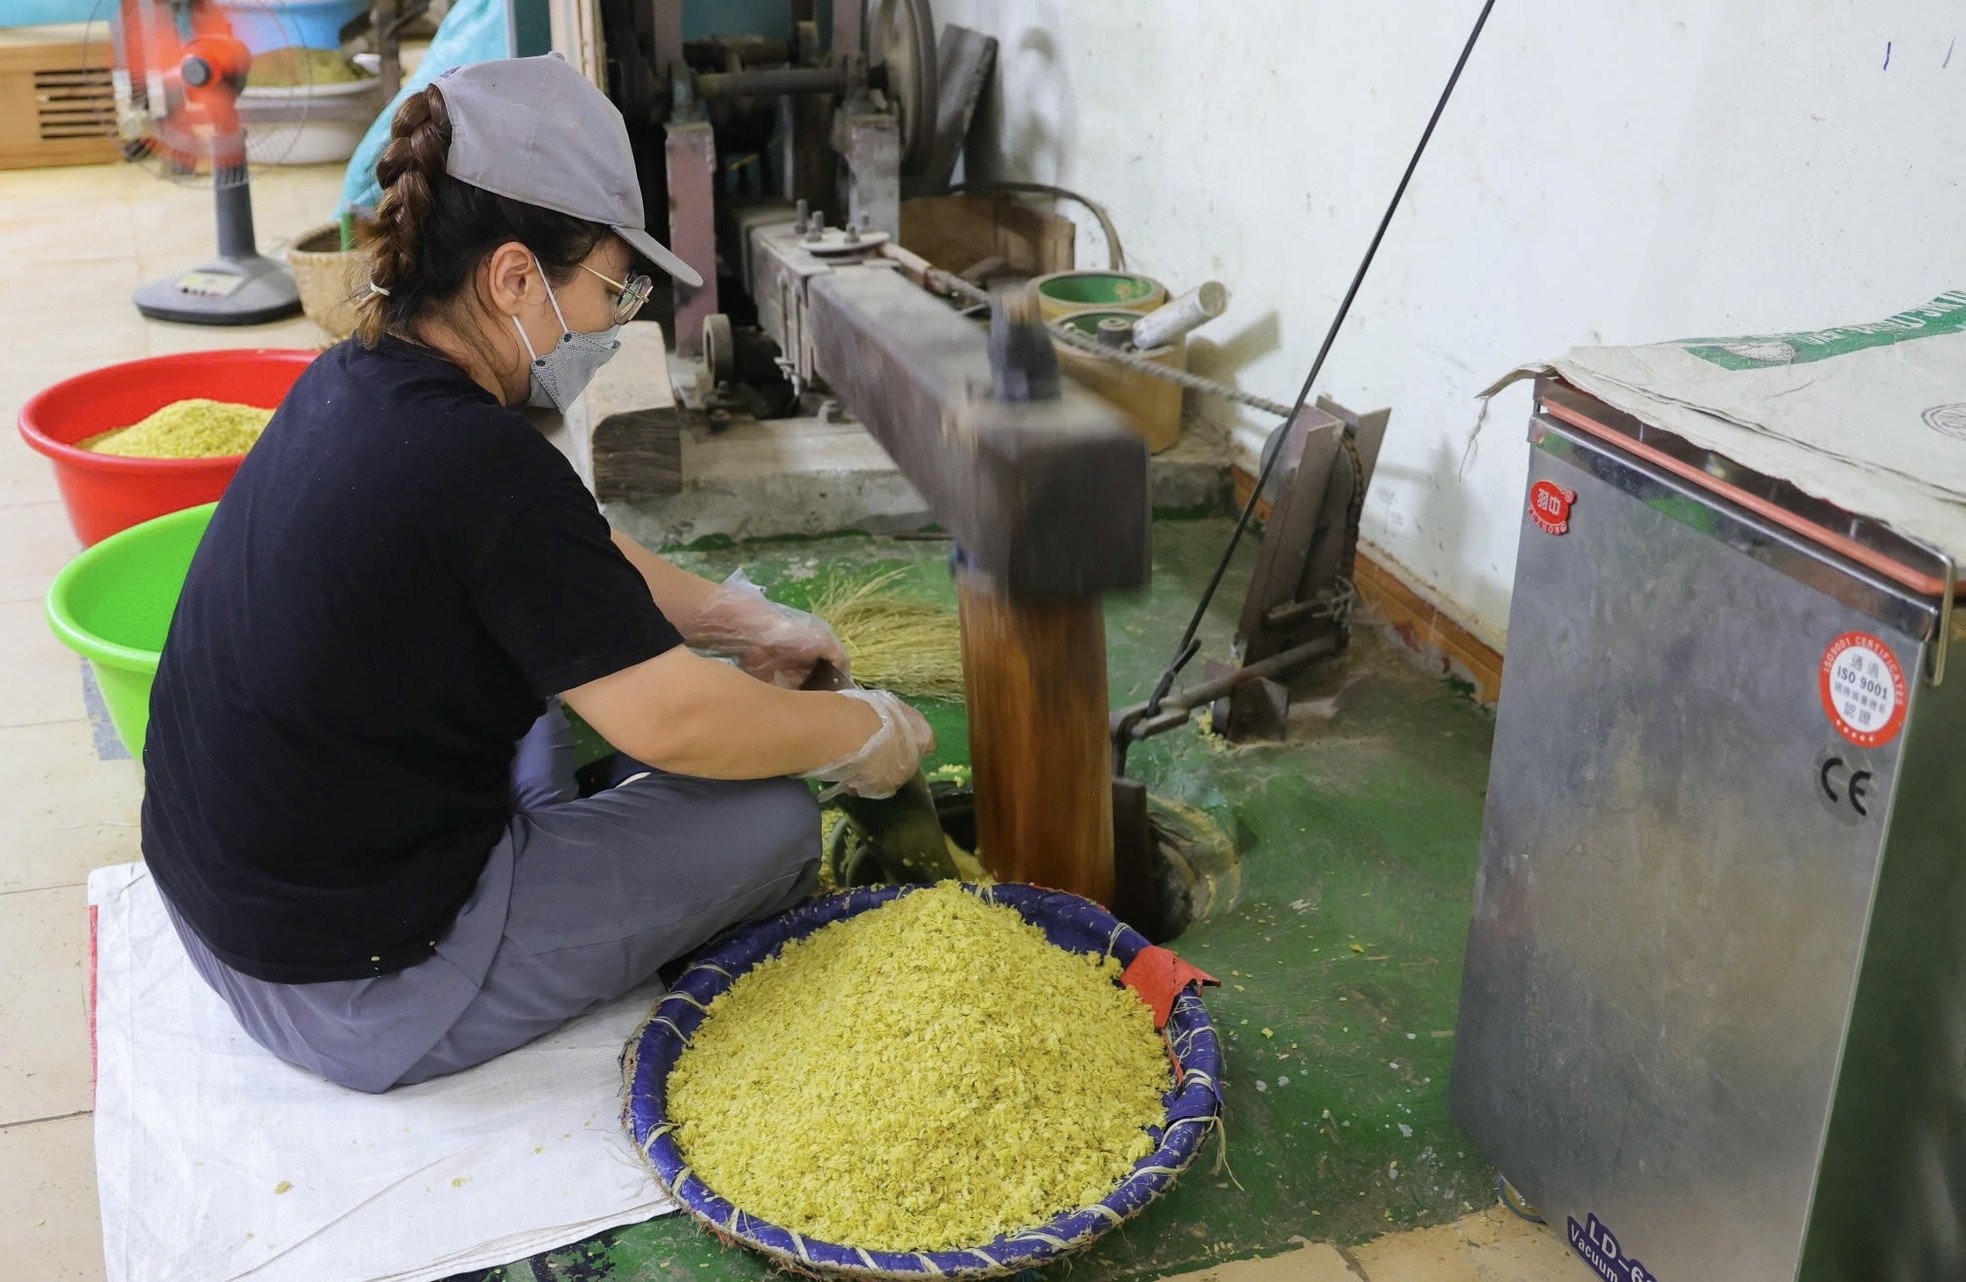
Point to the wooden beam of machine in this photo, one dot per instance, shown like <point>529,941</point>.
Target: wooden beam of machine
<point>1049,499</point>
<point>1036,673</point>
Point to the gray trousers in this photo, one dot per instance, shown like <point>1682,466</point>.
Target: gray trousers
<point>581,900</point>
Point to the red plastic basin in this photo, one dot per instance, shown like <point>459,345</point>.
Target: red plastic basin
<point>105,493</point>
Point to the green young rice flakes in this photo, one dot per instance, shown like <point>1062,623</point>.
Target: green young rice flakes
<point>925,1075</point>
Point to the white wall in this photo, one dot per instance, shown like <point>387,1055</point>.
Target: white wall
<point>1610,171</point>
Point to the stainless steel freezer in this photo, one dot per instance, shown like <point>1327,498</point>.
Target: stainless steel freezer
<point>1713,1020</point>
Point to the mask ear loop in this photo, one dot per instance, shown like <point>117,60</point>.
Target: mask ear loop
<point>566,331</point>
<point>532,354</point>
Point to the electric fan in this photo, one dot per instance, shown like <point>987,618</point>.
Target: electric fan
<point>179,72</point>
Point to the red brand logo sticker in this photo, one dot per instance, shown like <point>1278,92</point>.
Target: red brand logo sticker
<point>1863,689</point>
<point>1549,507</point>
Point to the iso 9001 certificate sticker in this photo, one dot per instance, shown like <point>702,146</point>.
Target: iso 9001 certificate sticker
<point>1863,689</point>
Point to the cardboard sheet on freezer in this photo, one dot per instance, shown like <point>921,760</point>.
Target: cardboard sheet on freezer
<point>1870,417</point>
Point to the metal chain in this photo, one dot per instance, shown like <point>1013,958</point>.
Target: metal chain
<point>956,285</point>
<point>1194,382</point>
<point>1347,586</point>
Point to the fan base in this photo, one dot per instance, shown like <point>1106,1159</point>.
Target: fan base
<point>225,291</point>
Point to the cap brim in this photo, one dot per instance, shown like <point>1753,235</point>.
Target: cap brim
<point>658,253</point>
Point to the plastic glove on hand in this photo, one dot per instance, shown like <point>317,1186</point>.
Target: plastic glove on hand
<point>772,642</point>
<point>890,756</point>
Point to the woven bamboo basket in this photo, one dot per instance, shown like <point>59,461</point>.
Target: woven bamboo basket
<point>1194,1102</point>
<point>330,279</point>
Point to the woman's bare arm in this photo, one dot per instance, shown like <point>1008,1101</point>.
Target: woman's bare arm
<point>690,715</point>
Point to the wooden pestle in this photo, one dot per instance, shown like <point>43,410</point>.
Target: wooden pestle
<point>1036,673</point>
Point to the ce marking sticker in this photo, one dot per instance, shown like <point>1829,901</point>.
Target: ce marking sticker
<point>1846,785</point>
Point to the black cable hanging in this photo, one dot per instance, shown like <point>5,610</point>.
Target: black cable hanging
<point>1189,646</point>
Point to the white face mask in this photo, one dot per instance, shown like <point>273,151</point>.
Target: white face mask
<point>559,377</point>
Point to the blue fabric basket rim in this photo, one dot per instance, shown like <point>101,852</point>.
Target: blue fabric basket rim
<point>1194,1103</point>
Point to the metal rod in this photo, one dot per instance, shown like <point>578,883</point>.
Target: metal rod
<point>1164,712</point>
<point>232,201</point>
<point>769,81</point>
<point>1278,664</point>
<point>921,271</point>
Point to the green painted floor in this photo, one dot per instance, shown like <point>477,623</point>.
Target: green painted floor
<point>1340,963</point>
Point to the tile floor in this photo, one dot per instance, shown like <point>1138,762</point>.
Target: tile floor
<point>76,242</point>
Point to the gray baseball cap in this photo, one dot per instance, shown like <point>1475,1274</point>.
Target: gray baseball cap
<point>534,129</point>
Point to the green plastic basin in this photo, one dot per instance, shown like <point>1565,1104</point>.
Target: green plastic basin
<point>113,604</point>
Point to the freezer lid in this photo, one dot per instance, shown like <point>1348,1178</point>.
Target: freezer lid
<point>1861,540</point>
<point>1871,543</point>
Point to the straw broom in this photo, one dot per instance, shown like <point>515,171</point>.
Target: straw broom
<point>908,646</point>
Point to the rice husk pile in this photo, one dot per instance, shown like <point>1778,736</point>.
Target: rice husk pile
<point>196,428</point>
<point>929,1074</point>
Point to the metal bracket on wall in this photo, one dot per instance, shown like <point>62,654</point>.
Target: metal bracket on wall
<point>1301,591</point>
<point>1298,606</point>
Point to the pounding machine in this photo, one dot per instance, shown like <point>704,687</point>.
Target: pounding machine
<point>1045,489</point>
<point>1043,486</point>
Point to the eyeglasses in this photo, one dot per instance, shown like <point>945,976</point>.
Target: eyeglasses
<point>629,295</point>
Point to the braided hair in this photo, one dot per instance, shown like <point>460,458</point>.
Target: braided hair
<point>431,231</point>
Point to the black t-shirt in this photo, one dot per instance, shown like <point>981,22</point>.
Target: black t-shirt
<point>400,573</point>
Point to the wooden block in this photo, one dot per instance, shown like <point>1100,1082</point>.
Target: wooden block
<point>1048,242</point>
<point>952,232</point>
<point>634,426</point>
<point>956,232</point>
<point>639,455</point>
<point>1152,405</point>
